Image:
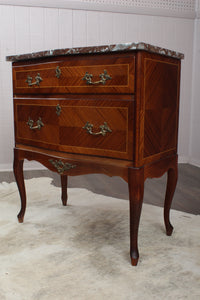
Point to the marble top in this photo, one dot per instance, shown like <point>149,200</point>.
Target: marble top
<point>97,49</point>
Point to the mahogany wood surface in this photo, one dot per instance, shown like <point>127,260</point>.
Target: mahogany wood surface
<point>64,189</point>
<point>136,192</point>
<point>157,107</point>
<point>121,68</point>
<point>66,132</point>
<point>139,103</point>
<point>19,176</point>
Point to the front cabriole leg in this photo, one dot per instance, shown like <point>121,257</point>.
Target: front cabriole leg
<point>19,176</point>
<point>172,176</point>
<point>136,192</point>
<point>64,189</point>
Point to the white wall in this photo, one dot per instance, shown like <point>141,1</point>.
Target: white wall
<point>194,153</point>
<point>27,29</point>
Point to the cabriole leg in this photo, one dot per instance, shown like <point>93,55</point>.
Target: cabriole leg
<point>172,176</point>
<point>19,176</point>
<point>64,189</point>
<point>136,192</point>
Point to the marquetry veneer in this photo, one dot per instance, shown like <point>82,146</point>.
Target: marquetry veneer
<point>110,109</point>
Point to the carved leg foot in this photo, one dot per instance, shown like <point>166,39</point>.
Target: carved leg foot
<point>171,186</point>
<point>136,191</point>
<point>19,176</point>
<point>134,258</point>
<point>64,189</point>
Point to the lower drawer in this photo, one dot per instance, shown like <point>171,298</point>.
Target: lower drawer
<point>93,127</point>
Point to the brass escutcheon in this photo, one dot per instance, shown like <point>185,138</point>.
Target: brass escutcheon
<point>58,110</point>
<point>58,72</point>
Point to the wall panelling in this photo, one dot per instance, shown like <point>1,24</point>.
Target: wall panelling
<point>25,29</point>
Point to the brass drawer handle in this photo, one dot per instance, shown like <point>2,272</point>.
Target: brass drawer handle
<point>61,166</point>
<point>38,79</point>
<point>104,129</point>
<point>58,72</point>
<point>39,123</point>
<point>104,77</point>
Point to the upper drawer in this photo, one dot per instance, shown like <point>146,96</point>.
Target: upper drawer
<point>91,74</point>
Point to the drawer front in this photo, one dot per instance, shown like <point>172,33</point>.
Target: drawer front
<point>36,124</point>
<point>86,75</point>
<point>86,127</point>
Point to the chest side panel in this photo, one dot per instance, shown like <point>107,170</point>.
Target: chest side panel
<point>158,107</point>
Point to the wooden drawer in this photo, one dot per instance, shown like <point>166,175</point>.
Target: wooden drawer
<point>86,75</point>
<point>83,126</point>
<point>29,116</point>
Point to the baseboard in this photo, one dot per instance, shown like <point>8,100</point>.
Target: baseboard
<point>182,159</point>
<point>194,162</point>
<point>188,160</point>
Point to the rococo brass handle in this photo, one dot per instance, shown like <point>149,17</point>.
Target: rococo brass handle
<point>104,77</point>
<point>61,166</point>
<point>104,129</point>
<point>39,123</point>
<point>38,79</point>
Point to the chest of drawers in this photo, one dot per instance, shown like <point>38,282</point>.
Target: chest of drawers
<point>109,109</point>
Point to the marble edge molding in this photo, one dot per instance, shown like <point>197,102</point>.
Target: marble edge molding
<point>97,49</point>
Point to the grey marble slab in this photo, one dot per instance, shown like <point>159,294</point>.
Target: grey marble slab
<point>97,49</point>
